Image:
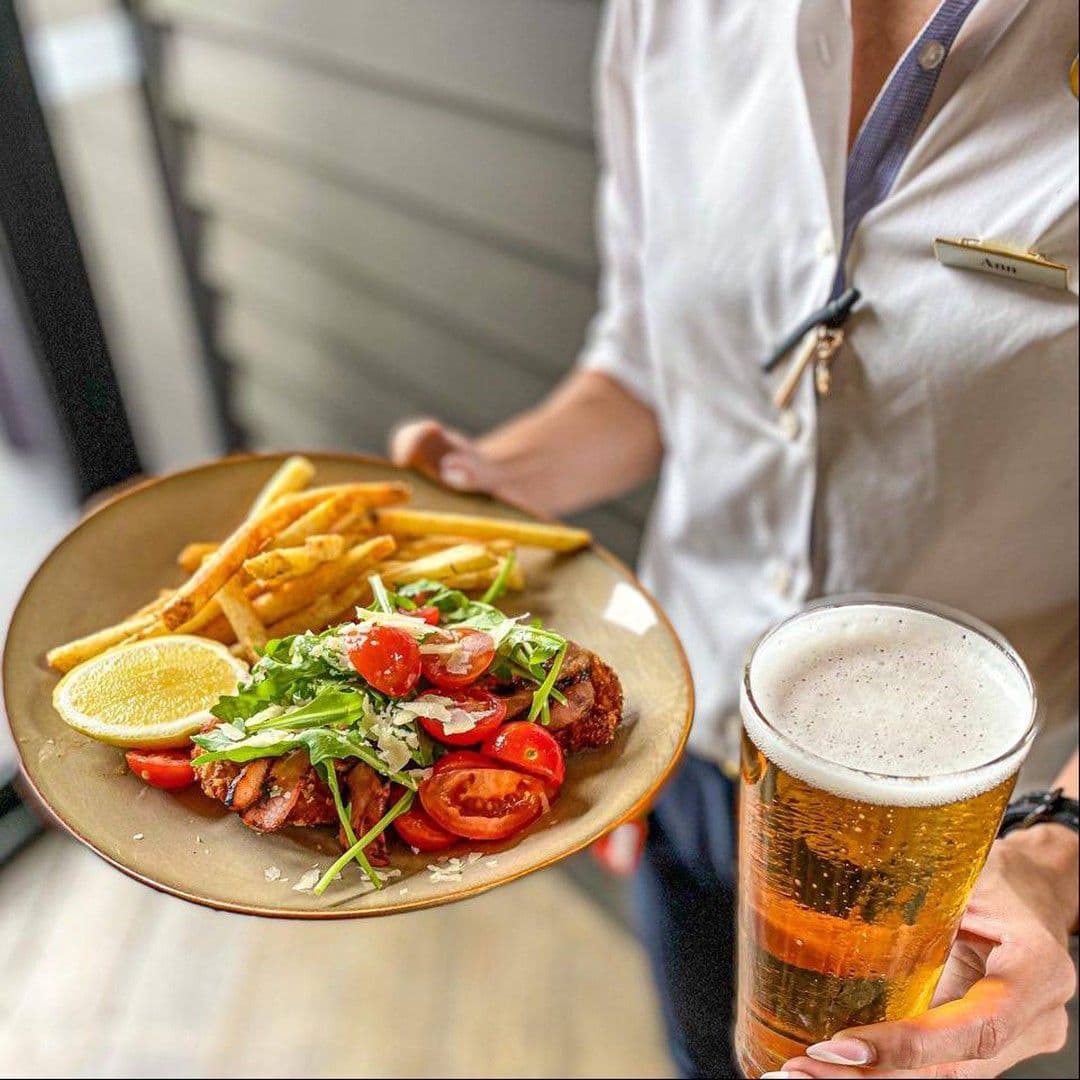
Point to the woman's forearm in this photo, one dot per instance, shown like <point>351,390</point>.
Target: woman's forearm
<point>589,441</point>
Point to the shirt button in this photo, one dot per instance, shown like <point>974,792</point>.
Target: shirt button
<point>781,578</point>
<point>931,55</point>
<point>790,424</point>
<point>826,246</point>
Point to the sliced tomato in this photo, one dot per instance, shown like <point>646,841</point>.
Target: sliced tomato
<point>464,664</point>
<point>169,770</point>
<point>462,759</point>
<point>528,747</point>
<point>490,712</point>
<point>483,803</point>
<point>418,830</point>
<point>388,658</point>
<point>428,612</point>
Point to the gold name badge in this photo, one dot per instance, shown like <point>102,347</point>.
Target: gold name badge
<point>990,258</point>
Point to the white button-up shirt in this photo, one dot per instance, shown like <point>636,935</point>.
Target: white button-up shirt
<point>943,464</point>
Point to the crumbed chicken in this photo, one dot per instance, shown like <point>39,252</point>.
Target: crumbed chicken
<point>594,701</point>
<point>270,793</point>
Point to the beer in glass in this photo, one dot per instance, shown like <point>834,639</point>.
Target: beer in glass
<point>881,742</point>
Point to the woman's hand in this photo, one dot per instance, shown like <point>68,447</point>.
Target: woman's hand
<point>1002,995</point>
<point>591,440</point>
<point>443,454</point>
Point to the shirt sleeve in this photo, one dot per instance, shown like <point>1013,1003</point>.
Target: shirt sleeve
<point>616,341</point>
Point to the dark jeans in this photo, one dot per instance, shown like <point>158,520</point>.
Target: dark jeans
<point>685,898</point>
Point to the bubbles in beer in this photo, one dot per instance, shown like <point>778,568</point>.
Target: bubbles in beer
<point>871,688</point>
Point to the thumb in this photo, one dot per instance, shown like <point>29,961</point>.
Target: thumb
<point>439,452</point>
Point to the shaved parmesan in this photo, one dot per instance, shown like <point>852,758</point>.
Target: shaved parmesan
<point>436,648</point>
<point>368,620</point>
<point>393,750</point>
<point>308,880</point>
<point>454,719</point>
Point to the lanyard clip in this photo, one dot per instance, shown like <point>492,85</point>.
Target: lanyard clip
<point>833,315</point>
<point>820,346</point>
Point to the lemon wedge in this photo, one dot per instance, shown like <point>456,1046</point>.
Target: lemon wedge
<point>152,693</point>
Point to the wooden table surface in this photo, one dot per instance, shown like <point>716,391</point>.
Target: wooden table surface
<point>105,977</point>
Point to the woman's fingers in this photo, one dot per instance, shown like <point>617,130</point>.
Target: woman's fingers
<point>977,1026</point>
<point>1016,1011</point>
<point>440,453</point>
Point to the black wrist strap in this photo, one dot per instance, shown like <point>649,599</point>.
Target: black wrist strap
<point>1041,806</point>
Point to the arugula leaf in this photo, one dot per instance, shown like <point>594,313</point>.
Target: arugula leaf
<point>381,595</point>
<point>333,704</point>
<point>399,808</point>
<point>322,744</point>
<point>291,671</point>
<point>329,774</point>
<point>540,697</point>
<point>498,586</point>
<point>453,604</point>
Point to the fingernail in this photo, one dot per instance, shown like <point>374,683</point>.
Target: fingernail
<point>455,475</point>
<point>842,1052</point>
<point>786,1074</point>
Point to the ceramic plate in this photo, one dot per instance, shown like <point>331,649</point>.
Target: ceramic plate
<point>187,844</point>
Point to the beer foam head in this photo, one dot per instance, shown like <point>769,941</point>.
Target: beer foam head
<point>883,703</point>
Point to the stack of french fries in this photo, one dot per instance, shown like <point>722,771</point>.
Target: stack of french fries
<point>302,557</point>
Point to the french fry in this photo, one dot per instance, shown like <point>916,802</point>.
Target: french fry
<point>481,579</point>
<point>317,520</point>
<point>386,570</point>
<point>294,474</point>
<point>356,496</point>
<point>324,610</point>
<point>220,629</point>
<point>280,564</point>
<point>65,657</point>
<point>407,522</point>
<point>474,579</point>
<point>294,596</point>
<point>325,546</point>
<point>154,606</point>
<point>347,600</point>
<point>212,574</point>
<point>256,533</point>
<point>352,522</point>
<point>249,630</point>
<point>191,555</point>
<point>463,559</point>
<point>414,547</point>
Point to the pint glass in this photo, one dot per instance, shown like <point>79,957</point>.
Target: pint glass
<point>881,742</point>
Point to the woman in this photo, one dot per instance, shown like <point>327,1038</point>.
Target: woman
<point>760,160</point>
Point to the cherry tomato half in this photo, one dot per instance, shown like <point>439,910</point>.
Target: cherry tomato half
<point>528,747</point>
<point>417,829</point>
<point>483,803</point>
<point>428,612</point>
<point>169,770</point>
<point>490,710</point>
<point>462,759</point>
<point>465,664</point>
<point>388,658</point>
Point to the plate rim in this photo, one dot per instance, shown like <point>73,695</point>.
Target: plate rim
<point>397,907</point>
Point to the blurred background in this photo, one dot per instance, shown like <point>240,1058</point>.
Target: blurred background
<point>234,224</point>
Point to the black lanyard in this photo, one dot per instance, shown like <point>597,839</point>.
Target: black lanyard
<point>832,315</point>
